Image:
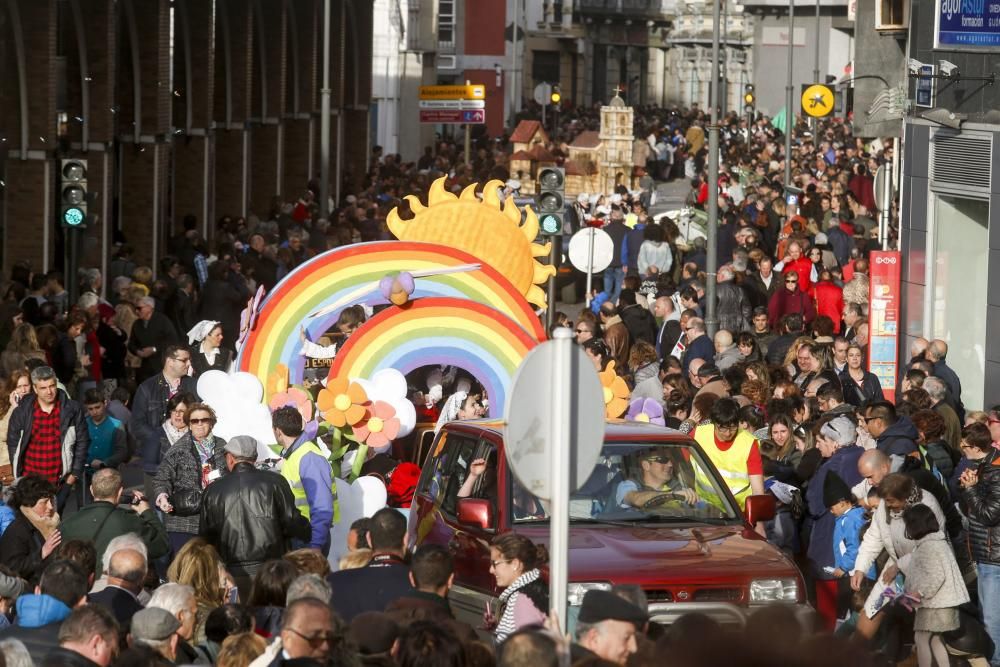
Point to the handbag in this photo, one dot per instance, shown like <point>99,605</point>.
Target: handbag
<point>186,502</point>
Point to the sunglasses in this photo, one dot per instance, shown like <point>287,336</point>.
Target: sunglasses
<point>583,330</point>
<point>316,640</point>
<point>659,459</point>
<point>791,282</point>
<point>202,420</point>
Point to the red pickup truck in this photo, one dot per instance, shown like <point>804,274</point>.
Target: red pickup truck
<point>687,554</point>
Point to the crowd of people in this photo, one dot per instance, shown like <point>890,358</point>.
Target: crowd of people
<point>133,535</point>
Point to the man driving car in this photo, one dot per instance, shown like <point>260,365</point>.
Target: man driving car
<point>657,479</point>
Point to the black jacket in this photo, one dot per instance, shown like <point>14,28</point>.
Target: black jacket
<point>640,323</point>
<point>370,588</point>
<point>158,332</point>
<point>21,549</point>
<point>982,507</point>
<point>72,425</point>
<point>734,308</point>
<point>250,517</point>
<point>63,657</point>
<point>121,603</point>
<point>149,411</point>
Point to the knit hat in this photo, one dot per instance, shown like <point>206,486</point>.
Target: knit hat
<point>841,430</point>
<point>835,489</point>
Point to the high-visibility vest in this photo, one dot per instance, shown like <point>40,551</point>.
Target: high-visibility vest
<point>290,471</point>
<point>731,464</point>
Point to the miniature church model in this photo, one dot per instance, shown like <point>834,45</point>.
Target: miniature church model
<point>615,161</point>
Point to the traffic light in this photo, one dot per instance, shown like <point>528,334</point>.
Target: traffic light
<point>749,99</point>
<point>73,193</point>
<point>551,199</point>
<point>556,95</point>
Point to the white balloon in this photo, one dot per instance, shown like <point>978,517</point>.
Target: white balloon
<point>248,386</point>
<point>389,384</point>
<point>213,386</point>
<point>407,414</point>
<point>366,385</point>
<point>363,498</point>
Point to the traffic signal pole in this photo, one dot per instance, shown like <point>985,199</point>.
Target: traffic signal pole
<point>712,259</point>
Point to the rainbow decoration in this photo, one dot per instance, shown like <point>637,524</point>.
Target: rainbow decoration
<point>439,330</point>
<point>483,312</point>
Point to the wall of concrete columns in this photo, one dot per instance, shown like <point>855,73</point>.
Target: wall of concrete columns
<point>226,122</point>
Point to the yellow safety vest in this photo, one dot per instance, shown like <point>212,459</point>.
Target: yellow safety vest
<point>290,471</point>
<point>732,466</point>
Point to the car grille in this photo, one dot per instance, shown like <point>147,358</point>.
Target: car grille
<point>659,596</point>
<point>718,595</point>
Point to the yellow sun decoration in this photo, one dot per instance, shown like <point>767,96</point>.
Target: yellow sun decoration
<point>483,228</point>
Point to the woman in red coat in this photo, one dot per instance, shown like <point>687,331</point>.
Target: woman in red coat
<point>829,299</point>
<point>790,300</point>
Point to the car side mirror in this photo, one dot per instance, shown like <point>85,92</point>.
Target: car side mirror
<point>760,508</point>
<point>476,512</point>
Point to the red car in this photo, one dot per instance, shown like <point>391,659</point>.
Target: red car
<point>686,553</point>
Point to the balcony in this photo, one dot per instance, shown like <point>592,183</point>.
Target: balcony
<point>628,9</point>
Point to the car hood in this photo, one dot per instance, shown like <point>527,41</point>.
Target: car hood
<point>648,554</point>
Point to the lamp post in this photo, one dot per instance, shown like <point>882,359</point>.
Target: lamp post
<point>324,120</point>
<point>789,89</point>
<point>711,259</point>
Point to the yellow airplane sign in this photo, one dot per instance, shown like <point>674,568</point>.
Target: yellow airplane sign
<point>817,100</point>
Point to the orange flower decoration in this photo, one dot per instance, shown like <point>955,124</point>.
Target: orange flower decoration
<point>616,392</point>
<point>277,380</point>
<point>342,403</point>
<point>381,427</point>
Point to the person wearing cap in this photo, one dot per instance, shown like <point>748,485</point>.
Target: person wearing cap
<point>249,515</point>
<point>607,627</point>
<point>734,452</point>
<point>157,629</point>
<point>836,444</point>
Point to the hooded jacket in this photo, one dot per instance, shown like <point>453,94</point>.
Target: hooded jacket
<point>38,620</point>
<point>898,439</point>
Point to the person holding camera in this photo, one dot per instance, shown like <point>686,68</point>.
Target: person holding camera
<point>105,519</point>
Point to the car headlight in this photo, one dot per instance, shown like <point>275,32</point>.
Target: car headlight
<point>774,590</point>
<point>575,592</point>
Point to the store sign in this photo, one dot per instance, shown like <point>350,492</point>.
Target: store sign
<point>967,24</point>
<point>883,319</point>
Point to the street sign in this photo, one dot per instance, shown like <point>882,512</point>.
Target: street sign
<point>452,104</point>
<point>554,431</point>
<point>817,100</point>
<point>925,87</point>
<point>459,116</point>
<point>467,92</point>
<point>591,257</point>
<point>542,93</point>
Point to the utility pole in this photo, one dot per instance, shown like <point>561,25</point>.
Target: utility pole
<point>816,70</point>
<point>324,120</point>
<point>789,89</point>
<point>712,260</point>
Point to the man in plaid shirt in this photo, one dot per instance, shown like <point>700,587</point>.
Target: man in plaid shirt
<point>47,433</point>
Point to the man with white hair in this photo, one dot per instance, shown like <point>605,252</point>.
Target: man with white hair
<point>160,631</point>
<point>938,391</point>
<point>734,307</point>
<point>726,352</point>
<point>308,586</point>
<point>151,335</point>
<point>180,602</point>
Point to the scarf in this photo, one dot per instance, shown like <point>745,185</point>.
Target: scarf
<point>506,626</point>
<point>913,499</point>
<point>44,525</point>
<point>173,434</point>
<point>205,448</point>
<point>450,410</point>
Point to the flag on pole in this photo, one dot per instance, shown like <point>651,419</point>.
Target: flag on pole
<point>779,120</point>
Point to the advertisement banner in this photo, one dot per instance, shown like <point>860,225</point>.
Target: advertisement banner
<point>883,319</point>
<point>967,24</point>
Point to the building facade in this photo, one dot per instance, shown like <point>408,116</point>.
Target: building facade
<point>203,107</point>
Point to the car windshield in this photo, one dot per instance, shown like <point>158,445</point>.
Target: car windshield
<point>638,483</point>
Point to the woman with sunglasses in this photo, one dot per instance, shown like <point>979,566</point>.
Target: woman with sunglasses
<point>196,460</point>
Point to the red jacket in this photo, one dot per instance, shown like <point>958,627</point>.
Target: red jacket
<point>803,267</point>
<point>784,303</point>
<point>829,302</point>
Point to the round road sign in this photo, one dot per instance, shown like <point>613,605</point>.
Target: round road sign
<point>580,249</point>
<point>817,100</point>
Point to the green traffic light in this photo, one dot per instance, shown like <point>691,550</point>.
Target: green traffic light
<point>73,217</point>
